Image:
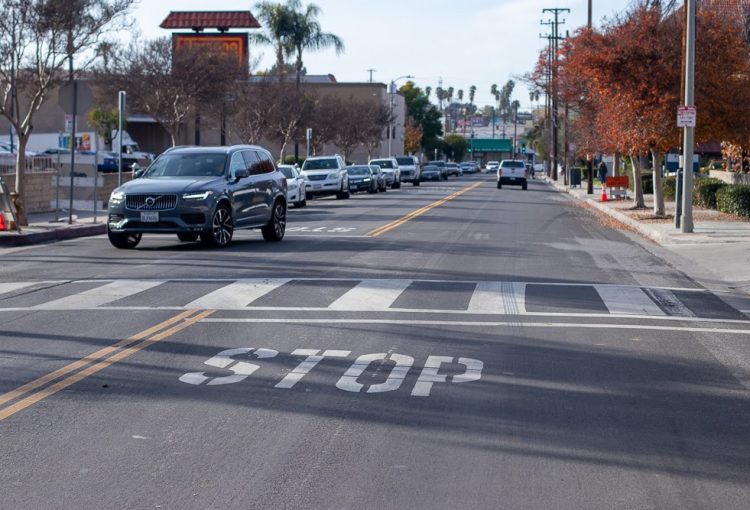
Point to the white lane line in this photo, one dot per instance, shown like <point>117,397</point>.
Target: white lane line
<point>547,325</point>
<point>627,301</point>
<point>94,298</point>
<point>371,295</point>
<point>667,300</point>
<point>237,295</point>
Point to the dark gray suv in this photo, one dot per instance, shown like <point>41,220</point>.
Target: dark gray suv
<point>205,192</point>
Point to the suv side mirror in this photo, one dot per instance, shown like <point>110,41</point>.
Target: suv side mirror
<point>241,173</point>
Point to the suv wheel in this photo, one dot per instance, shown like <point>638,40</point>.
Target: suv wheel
<point>222,228</point>
<point>123,241</point>
<point>340,193</point>
<point>415,182</point>
<point>276,226</point>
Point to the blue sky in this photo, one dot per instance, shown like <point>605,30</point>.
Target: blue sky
<point>469,42</point>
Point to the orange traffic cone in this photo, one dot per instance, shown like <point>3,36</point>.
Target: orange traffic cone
<point>604,194</point>
<point>3,226</point>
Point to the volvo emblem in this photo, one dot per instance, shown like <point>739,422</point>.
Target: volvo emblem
<point>150,201</point>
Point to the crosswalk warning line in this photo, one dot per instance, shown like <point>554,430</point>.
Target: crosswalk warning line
<point>371,295</point>
<point>237,295</point>
<point>627,300</point>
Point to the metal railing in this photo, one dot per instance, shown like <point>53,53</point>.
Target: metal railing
<point>33,164</point>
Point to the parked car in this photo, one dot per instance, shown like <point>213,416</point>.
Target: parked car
<point>453,169</point>
<point>390,168</point>
<point>378,174</point>
<point>512,172</point>
<point>492,166</point>
<point>362,179</point>
<point>5,149</point>
<point>431,173</point>
<point>54,151</point>
<point>326,175</point>
<point>109,162</point>
<point>442,166</point>
<point>409,168</point>
<point>205,192</point>
<point>295,185</point>
<point>468,167</point>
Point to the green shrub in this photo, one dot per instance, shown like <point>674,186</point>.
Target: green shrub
<point>289,160</point>
<point>668,188</point>
<point>647,181</point>
<point>734,200</point>
<point>704,191</point>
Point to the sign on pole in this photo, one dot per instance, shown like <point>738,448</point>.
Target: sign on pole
<point>78,90</point>
<point>68,124</point>
<point>686,116</point>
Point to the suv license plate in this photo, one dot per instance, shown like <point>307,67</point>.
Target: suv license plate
<point>149,216</point>
<point>317,186</point>
<point>512,178</point>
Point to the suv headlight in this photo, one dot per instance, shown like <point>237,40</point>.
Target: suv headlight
<point>197,196</point>
<point>333,176</point>
<point>117,196</point>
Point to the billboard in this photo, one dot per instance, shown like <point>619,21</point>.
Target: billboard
<point>234,44</point>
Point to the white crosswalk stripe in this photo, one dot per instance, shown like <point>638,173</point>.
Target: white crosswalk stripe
<point>627,300</point>
<point>498,297</point>
<point>237,295</point>
<point>99,296</point>
<point>14,286</point>
<point>371,295</point>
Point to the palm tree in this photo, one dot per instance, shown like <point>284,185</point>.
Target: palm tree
<point>472,93</point>
<point>427,92</point>
<point>460,95</point>
<point>450,94</point>
<point>307,34</point>
<point>277,19</point>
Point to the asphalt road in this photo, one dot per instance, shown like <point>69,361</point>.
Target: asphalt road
<point>444,346</point>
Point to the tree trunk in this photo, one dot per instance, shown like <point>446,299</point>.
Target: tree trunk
<point>637,183</point>
<point>20,190</point>
<point>658,195</point>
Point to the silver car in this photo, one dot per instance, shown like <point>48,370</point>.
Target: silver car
<point>205,192</point>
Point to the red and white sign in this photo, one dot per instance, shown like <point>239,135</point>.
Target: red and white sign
<point>686,116</point>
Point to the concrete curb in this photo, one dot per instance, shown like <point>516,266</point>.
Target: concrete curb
<point>57,234</point>
<point>622,218</point>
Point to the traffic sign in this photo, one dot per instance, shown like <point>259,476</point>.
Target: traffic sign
<point>83,92</point>
<point>686,116</point>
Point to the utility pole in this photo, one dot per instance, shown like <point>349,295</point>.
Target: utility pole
<point>555,37</point>
<point>371,71</point>
<point>689,135</point>
<point>590,15</point>
<point>548,97</point>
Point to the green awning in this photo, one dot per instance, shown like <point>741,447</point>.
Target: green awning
<point>490,145</point>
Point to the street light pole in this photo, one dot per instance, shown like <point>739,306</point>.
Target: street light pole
<point>689,135</point>
<point>392,93</point>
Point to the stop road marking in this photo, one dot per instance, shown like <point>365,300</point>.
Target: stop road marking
<point>233,360</point>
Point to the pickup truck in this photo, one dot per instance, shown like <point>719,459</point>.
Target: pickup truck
<point>512,172</point>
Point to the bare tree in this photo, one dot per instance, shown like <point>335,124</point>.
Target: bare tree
<point>169,85</point>
<point>375,118</point>
<point>289,117</point>
<point>37,39</point>
<point>325,122</point>
<point>255,106</point>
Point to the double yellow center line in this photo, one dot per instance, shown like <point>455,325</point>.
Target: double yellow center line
<point>419,212</point>
<point>95,362</point>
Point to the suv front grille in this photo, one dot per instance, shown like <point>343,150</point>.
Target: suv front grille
<point>319,177</point>
<point>153,202</point>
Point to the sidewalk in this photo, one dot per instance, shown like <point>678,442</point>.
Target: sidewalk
<point>43,228</point>
<point>717,254</point>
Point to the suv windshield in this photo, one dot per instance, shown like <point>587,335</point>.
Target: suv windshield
<point>188,165</point>
<point>405,161</point>
<point>383,163</point>
<point>512,164</point>
<point>358,170</point>
<point>320,164</point>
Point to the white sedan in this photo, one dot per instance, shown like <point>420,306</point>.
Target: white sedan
<point>295,184</point>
